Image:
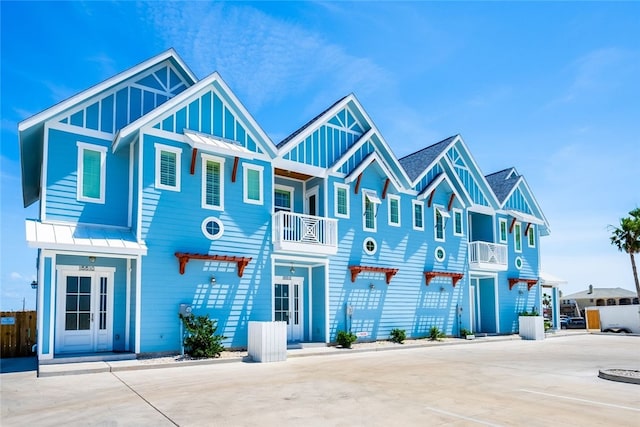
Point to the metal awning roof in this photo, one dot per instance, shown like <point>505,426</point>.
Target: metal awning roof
<point>217,145</point>
<point>521,216</point>
<point>82,238</point>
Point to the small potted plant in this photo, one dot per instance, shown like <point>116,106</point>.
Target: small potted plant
<point>467,334</point>
<point>345,339</point>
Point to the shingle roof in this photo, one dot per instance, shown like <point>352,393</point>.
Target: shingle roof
<point>502,182</point>
<point>414,164</point>
<point>309,123</point>
<point>602,293</point>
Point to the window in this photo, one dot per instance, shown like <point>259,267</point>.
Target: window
<point>394,210</point>
<point>91,172</point>
<point>212,182</point>
<point>518,263</point>
<point>503,230</point>
<point>253,184</point>
<point>457,222</point>
<point>341,194</point>
<point>418,215</point>
<point>440,254</point>
<point>439,215</point>
<point>517,237</point>
<point>168,167</point>
<point>369,202</point>
<point>283,198</point>
<point>369,245</point>
<point>531,235</point>
<point>212,228</point>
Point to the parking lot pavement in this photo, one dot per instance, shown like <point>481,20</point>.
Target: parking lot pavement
<point>533,383</point>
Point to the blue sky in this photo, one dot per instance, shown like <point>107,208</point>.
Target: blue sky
<point>550,88</point>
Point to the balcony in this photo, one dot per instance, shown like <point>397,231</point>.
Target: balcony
<point>487,256</point>
<point>293,232</point>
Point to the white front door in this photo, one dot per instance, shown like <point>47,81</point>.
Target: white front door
<point>85,311</point>
<point>287,305</point>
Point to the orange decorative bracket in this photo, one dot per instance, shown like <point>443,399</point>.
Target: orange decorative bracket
<point>453,196</point>
<point>194,155</point>
<point>455,277</point>
<point>234,172</point>
<point>357,188</point>
<point>530,282</point>
<point>386,187</point>
<point>433,192</point>
<point>513,223</point>
<point>184,258</point>
<point>356,269</point>
<point>526,230</point>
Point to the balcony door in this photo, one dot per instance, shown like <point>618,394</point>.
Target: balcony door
<point>311,201</point>
<point>287,305</point>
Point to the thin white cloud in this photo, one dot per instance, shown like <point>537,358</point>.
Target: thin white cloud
<point>16,276</point>
<point>262,58</point>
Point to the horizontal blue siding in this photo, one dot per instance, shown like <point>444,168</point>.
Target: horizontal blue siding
<point>62,178</point>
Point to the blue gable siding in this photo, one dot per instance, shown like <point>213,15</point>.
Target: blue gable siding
<point>62,179</point>
<point>462,170</point>
<point>329,142</point>
<point>428,177</point>
<point>518,202</point>
<point>357,157</point>
<point>130,100</point>
<point>210,114</point>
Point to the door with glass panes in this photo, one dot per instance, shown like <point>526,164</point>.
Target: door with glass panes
<point>85,311</point>
<point>287,305</point>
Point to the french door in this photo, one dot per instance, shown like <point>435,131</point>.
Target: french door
<point>287,306</point>
<point>84,311</point>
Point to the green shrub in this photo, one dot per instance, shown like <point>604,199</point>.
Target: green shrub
<point>533,312</point>
<point>464,332</point>
<point>435,334</point>
<point>200,339</point>
<point>345,339</point>
<point>398,335</point>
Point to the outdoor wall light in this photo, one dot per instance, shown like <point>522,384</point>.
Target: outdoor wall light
<point>371,286</point>
<point>520,292</point>
<point>92,259</point>
<point>292,270</point>
<point>441,288</point>
<point>213,280</point>
<point>34,285</point>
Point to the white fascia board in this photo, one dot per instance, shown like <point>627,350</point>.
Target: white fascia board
<point>487,210</point>
<point>513,189</point>
<point>452,173</point>
<point>217,145</point>
<point>434,162</point>
<point>524,217</point>
<point>299,167</point>
<point>100,87</point>
<point>364,164</point>
<point>142,250</point>
<point>314,126</point>
<point>479,175</point>
<point>351,151</point>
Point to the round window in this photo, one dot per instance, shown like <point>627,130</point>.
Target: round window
<point>518,263</point>
<point>212,228</point>
<point>440,253</point>
<point>370,246</point>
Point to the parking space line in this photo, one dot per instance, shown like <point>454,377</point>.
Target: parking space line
<point>462,417</point>
<point>591,402</point>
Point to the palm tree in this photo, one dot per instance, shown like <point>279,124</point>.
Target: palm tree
<point>627,239</point>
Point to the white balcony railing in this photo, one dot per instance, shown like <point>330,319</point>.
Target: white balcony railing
<point>304,233</point>
<point>487,256</point>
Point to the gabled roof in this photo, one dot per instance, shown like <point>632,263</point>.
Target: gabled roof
<point>309,123</point>
<point>416,163</point>
<point>31,130</point>
<point>602,293</point>
<point>128,133</point>
<point>503,182</point>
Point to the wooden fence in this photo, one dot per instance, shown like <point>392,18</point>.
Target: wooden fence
<point>17,333</point>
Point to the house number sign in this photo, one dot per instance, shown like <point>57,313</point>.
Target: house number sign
<point>86,268</point>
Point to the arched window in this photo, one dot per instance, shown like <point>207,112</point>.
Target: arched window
<point>611,301</point>
<point>624,301</point>
<point>600,302</point>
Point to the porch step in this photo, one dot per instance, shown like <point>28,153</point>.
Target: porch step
<point>302,345</point>
<point>83,358</point>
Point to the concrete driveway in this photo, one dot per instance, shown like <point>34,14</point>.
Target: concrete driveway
<point>534,383</point>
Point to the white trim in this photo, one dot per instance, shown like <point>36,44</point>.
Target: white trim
<point>372,196</point>
<point>365,197</point>
<point>287,189</point>
<point>81,131</point>
<point>415,203</point>
<point>517,230</point>
<point>326,301</point>
<point>366,162</point>
<point>127,308</point>
<point>206,233</point>
<point>435,183</point>
<point>217,145</point>
<point>444,254</point>
<point>506,230</point>
<point>439,209</point>
<point>460,212</point>
<point>523,217</point>
<point>140,187</point>
<point>515,263</point>
<point>487,210</point>
<point>364,246</point>
<point>290,165</point>
<point>43,177</point>
<point>395,197</point>
<point>209,158</point>
<point>351,151</point>
<point>76,267</point>
<point>52,304</point>
<point>138,302</point>
<point>532,233</point>
<point>246,167</point>
<point>346,188</point>
<point>313,191</point>
<point>82,147</point>
<point>159,148</point>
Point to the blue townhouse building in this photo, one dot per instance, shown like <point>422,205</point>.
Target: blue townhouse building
<point>158,189</point>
